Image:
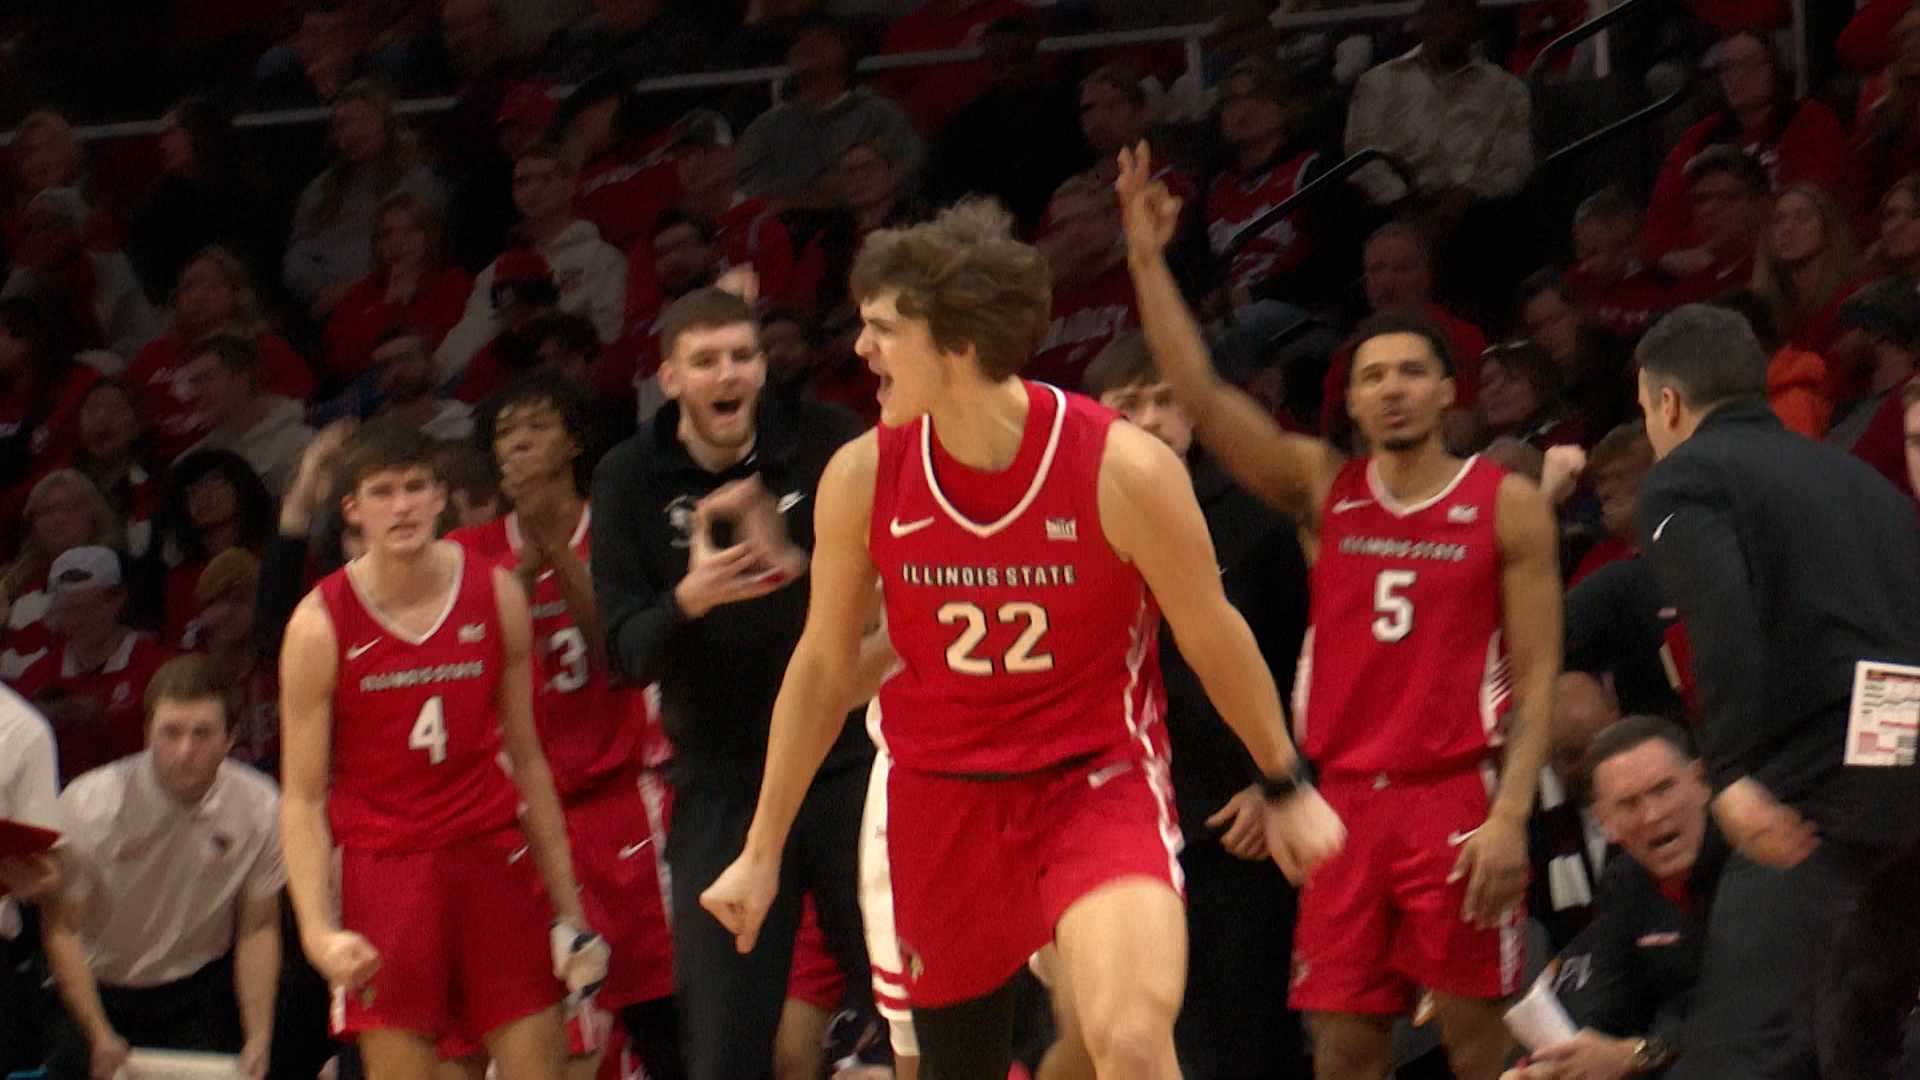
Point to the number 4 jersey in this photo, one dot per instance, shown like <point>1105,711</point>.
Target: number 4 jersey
<point>1024,640</point>
<point>1404,670</point>
<point>416,728</point>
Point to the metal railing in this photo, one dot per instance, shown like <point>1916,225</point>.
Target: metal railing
<point>1339,174</point>
<point>1593,27</point>
<point>1190,34</point>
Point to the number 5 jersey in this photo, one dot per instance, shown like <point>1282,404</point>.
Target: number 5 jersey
<point>1025,641</point>
<point>1404,671</point>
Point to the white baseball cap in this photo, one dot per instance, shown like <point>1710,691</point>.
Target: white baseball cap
<point>84,568</point>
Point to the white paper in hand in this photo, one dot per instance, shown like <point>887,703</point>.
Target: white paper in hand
<point>146,1064</point>
<point>1538,1020</point>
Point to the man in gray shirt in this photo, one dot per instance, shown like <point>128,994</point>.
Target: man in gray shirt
<point>788,154</point>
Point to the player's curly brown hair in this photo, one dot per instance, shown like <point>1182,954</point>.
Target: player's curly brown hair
<point>969,278</point>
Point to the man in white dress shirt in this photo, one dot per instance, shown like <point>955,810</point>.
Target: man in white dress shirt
<point>166,932</point>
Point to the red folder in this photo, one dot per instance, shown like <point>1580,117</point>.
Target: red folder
<point>19,840</point>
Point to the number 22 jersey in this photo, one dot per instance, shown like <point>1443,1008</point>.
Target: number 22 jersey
<point>1404,670</point>
<point>416,728</point>
<point>1024,639</point>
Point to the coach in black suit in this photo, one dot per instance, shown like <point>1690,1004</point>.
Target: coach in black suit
<point>1789,561</point>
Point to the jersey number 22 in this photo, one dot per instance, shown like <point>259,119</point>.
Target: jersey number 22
<point>1020,658</point>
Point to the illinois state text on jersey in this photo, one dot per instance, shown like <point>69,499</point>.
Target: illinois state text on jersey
<point>416,729</point>
<point>1404,670</point>
<point>1024,639</point>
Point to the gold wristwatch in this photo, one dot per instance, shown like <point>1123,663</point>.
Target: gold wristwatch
<point>1650,1052</point>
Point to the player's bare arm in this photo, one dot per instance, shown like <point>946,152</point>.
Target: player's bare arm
<point>1293,472</point>
<point>545,829</point>
<point>309,665</point>
<point>1149,514</point>
<point>256,979</point>
<point>1495,858</point>
<point>822,679</point>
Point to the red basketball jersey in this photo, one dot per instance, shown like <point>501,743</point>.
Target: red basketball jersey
<point>586,724</point>
<point>1024,639</point>
<point>416,729</point>
<point>1237,200</point>
<point>1403,669</point>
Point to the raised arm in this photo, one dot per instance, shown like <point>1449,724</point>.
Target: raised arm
<point>309,663</point>
<point>1149,514</point>
<point>822,681</point>
<point>546,830</point>
<point>1494,858</point>
<point>1293,472</point>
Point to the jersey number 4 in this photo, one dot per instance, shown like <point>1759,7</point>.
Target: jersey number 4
<point>430,731</point>
<point>1393,610</point>
<point>1020,659</point>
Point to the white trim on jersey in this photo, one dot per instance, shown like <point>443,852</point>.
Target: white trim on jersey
<point>1033,489</point>
<point>1393,506</point>
<point>1302,683</point>
<point>380,617</point>
<point>1496,687</point>
<point>579,531</point>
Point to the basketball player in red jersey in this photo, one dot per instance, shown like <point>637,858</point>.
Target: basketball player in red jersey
<point>590,730</point>
<point>1020,537</point>
<point>1436,605</point>
<point>403,676</point>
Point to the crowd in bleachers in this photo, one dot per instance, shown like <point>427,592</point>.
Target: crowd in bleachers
<point>189,319</point>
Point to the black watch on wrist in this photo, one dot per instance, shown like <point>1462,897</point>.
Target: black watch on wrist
<point>1281,788</point>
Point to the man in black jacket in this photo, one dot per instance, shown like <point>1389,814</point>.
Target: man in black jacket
<point>1790,563</point>
<point>1628,979</point>
<point>701,526</point>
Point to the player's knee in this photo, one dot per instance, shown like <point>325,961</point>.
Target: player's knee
<point>1349,1046</point>
<point>1128,1035</point>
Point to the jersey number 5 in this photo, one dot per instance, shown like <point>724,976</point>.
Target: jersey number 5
<point>1020,659</point>
<point>1394,610</point>
<point>430,731</point>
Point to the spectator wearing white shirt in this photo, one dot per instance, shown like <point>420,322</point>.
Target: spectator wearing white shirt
<point>29,787</point>
<point>166,933</point>
<point>1461,126</point>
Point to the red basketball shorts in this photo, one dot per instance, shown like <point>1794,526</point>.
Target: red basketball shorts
<point>462,936</point>
<point>815,977</point>
<point>618,836</point>
<point>1379,921</point>
<point>983,870</point>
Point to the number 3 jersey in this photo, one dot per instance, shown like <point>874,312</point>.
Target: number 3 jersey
<point>1403,670</point>
<point>1024,640</point>
<point>416,728</point>
<point>590,729</point>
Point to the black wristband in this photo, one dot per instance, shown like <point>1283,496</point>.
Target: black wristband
<point>1281,788</point>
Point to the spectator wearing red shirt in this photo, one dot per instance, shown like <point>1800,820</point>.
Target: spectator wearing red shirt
<point>1886,132</point>
<point>91,684</point>
<point>1521,397</point>
<point>682,255</point>
<point>933,94</point>
<point>64,511</point>
<point>1880,340</point>
<point>41,386</point>
<point>112,453</point>
<point>1262,120</point>
<point>1615,467</point>
<point>523,295</point>
<point>214,502</point>
<point>223,630</point>
<point>1808,263</point>
<point>1093,298</point>
<point>215,296</point>
<point>1731,208</point>
<point>1399,274</point>
<point>1620,293</point>
<point>412,286</point>
<point>95,290</point>
<point>624,178</point>
<point>747,230</point>
<point>1794,144</point>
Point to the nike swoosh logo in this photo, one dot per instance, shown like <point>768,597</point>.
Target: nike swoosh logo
<point>358,651</point>
<point>1345,505</point>
<point>631,850</point>
<point>899,530</point>
<point>517,854</point>
<point>1662,527</point>
<point>1455,839</point>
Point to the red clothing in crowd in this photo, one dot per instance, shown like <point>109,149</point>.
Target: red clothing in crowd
<point>118,690</point>
<point>54,414</point>
<point>932,95</point>
<point>1237,199</point>
<point>1883,444</point>
<point>1609,550</point>
<point>1716,280</point>
<point>157,376</point>
<point>1466,340</point>
<point>850,384</point>
<point>1084,319</point>
<point>1799,392</point>
<point>1819,331</point>
<point>365,314</point>
<point>1809,147</point>
<point>1865,47</point>
<point>623,194</point>
<point>1622,306</point>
